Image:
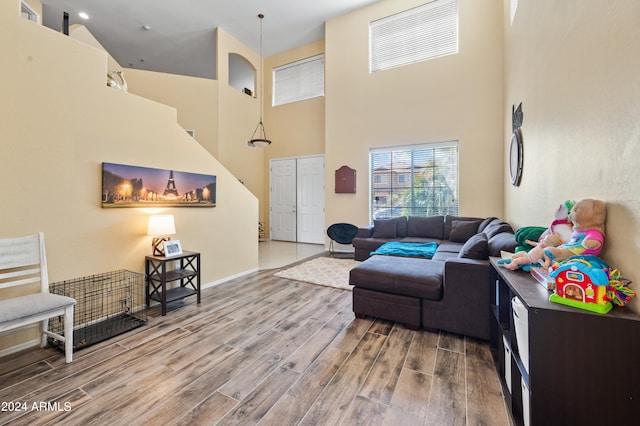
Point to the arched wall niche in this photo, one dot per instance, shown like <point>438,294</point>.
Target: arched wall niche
<point>242,75</point>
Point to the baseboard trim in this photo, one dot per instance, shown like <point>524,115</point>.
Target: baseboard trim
<point>20,347</point>
<point>229,278</point>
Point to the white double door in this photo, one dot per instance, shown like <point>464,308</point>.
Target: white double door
<point>297,199</point>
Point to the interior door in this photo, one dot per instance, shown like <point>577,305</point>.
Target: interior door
<point>310,200</point>
<point>283,199</point>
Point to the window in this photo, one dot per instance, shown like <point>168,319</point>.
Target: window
<point>298,81</point>
<point>404,178</point>
<point>416,180</point>
<point>380,179</point>
<point>425,32</point>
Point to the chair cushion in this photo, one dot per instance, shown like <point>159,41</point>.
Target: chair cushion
<point>32,304</point>
<point>342,233</point>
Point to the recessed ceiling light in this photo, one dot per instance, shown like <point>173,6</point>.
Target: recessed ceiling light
<point>146,27</point>
<point>83,15</point>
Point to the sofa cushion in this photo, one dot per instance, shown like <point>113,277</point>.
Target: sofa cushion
<point>405,276</point>
<point>485,222</point>
<point>476,247</point>
<point>448,222</point>
<point>462,230</point>
<point>370,244</point>
<point>502,241</point>
<point>443,256</point>
<point>495,227</point>
<point>421,240</point>
<point>365,231</point>
<point>384,228</point>
<point>401,226</point>
<point>425,227</point>
<point>450,247</point>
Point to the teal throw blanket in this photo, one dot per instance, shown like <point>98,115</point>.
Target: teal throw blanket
<point>407,249</point>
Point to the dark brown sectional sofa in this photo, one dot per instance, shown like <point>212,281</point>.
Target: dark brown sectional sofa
<point>447,292</point>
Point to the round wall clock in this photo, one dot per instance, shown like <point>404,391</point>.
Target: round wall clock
<point>515,157</point>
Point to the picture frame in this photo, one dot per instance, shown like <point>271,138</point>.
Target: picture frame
<point>135,186</point>
<point>172,248</point>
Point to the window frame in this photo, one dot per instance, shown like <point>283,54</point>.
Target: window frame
<point>397,164</point>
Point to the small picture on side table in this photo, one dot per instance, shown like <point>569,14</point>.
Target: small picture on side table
<point>172,248</point>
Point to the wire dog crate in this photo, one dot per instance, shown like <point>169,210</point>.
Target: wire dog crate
<point>108,304</point>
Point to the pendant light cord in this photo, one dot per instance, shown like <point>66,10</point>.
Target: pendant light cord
<point>262,139</point>
<point>261,16</point>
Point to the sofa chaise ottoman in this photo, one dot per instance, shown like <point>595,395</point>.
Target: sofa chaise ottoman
<point>450,291</point>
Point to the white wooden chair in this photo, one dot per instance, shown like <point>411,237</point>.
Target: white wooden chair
<point>22,262</point>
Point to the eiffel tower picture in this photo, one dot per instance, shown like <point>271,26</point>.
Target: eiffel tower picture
<point>171,186</point>
<point>134,186</point>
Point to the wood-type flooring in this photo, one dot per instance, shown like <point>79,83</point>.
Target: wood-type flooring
<point>258,350</point>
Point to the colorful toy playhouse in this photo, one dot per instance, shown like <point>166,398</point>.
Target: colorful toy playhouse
<point>581,282</point>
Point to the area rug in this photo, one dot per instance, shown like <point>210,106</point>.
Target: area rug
<point>327,271</point>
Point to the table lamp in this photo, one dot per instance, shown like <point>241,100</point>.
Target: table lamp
<point>160,227</point>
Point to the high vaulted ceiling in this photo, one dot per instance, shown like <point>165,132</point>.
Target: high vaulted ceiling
<point>181,37</point>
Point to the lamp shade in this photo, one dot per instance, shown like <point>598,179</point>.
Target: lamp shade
<point>161,224</point>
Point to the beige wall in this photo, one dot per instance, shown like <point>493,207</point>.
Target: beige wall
<point>58,123</point>
<point>36,5</point>
<point>81,33</point>
<point>457,97</point>
<point>195,100</point>
<point>238,117</point>
<point>296,129</point>
<point>575,66</point>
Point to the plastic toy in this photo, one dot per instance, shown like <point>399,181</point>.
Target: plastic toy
<point>618,290</point>
<point>587,282</point>
<point>581,282</point>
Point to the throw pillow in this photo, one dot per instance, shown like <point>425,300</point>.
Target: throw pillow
<point>401,226</point>
<point>496,227</point>
<point>476,247</point>
<point>461,231</point>
<point>384,228</point>
<point>448,222</point>
<point>485,223</point>
<point>503,241</point>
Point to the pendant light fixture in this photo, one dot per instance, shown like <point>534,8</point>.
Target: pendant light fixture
<point>261,140</point>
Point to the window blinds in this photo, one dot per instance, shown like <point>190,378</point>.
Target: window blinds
<point>415,35</point>
<point>417,180</point>
<point>298,81</point>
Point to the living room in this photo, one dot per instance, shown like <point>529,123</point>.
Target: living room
<point>573,65</point>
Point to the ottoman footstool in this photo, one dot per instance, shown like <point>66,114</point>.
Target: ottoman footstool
<point>391,288</point>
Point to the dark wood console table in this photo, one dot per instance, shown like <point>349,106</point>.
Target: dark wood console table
<point>161,270</point>
<point>582,365</point>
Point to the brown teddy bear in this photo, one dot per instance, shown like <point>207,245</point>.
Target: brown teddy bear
<point>588,217</point>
